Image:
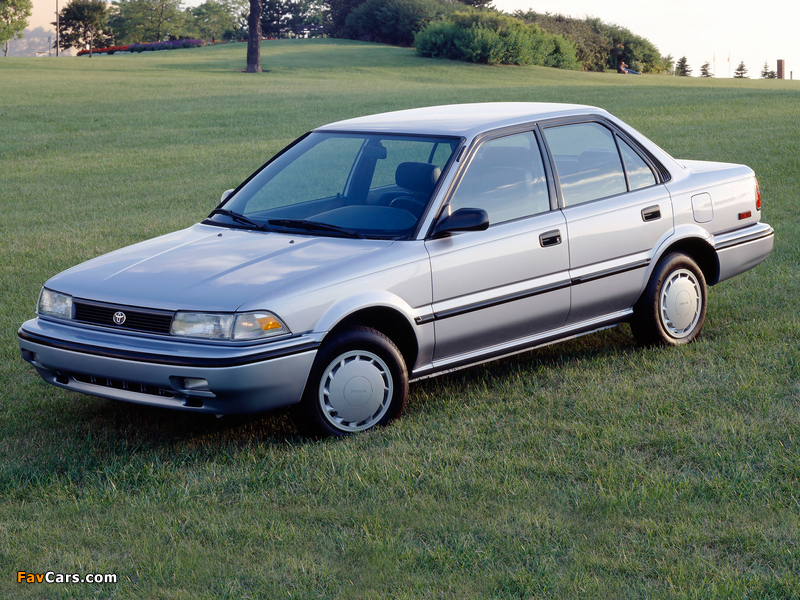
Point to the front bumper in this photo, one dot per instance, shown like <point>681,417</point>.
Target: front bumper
<point>151,370</point>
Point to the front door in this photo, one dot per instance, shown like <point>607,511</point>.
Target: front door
<point>511,281</point>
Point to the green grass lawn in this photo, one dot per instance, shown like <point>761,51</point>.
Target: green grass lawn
<point>589,469</point>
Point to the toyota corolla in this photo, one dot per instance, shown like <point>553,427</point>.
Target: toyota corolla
<point>388,248</point>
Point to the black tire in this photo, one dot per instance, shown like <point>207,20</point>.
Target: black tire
<point>358,381</point>
<point>672,308</point>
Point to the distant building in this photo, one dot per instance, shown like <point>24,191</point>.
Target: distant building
<point>40,36</point>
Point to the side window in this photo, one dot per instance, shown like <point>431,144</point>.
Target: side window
<point>506,179</point>
<point>587,162</point>
<point>639,174</point>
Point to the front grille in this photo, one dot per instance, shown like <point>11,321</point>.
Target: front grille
<point>136,319</point>
<point>118,384</point>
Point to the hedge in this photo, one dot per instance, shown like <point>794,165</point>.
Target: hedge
<point>493,38</point>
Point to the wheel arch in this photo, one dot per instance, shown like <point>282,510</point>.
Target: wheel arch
<point>388,318</point>
<point>697,247</point>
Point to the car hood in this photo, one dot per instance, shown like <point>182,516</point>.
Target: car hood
<point>208,268</point>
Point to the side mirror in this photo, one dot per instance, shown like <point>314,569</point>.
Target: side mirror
<point>464,219</point>
<point>225,195</point>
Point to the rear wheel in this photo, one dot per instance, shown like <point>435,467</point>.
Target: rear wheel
<point>359,381</point>
<point>672,308</point>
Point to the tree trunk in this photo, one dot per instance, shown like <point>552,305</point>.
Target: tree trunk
<point>254,38</point>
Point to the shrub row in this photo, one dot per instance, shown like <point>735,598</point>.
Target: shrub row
<point>170,45</point>
<point>109,50</point>
<point>602,45</point>
<point>493,38</point>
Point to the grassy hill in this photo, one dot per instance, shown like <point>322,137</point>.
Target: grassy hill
<point>593,468</point>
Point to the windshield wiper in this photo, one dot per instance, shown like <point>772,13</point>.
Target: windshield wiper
<point>315,226</point>
<point>241,219</point>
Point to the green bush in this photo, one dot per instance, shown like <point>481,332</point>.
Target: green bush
<point>593,48</point>
<point>493,38</point>
<point>480,44</point>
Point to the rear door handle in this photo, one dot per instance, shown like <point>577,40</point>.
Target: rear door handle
<point>550,238</point>
<point>651,213</point>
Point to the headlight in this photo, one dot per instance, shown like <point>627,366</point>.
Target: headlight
<point>213,326</point>
<point>202,325</point>
<point>54,304</point>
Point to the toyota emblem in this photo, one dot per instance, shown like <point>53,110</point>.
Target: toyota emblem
<point>119,317</point>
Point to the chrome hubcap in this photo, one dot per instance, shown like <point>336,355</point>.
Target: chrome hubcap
<point>355,391</point>
<point>680,303</point>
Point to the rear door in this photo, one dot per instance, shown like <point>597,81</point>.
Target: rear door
<point>616,210</point>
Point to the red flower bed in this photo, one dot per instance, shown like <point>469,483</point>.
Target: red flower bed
<point>109,50</point>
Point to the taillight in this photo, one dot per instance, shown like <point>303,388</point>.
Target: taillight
<point>758,197</point>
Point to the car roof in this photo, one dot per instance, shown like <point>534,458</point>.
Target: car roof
<point>463,120</point>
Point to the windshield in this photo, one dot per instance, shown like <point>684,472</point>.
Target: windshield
<point>345,184</point>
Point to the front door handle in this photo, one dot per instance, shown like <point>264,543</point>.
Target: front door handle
<point>550,238</point>
<point>651,213</point>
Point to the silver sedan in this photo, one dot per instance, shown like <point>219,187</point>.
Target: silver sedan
<point>392,247</point>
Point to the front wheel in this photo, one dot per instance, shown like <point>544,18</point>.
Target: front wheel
<point>359,381</point>
<point>672,308</point>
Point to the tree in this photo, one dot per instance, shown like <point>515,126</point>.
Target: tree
<point>741,71</point>
<point>82,23</point>
<point>287,18</point>
<point>273,16</point>
<point>147,20</point>
<point>393,21</point>
<point>667,64</point>
<point>479,3</point>
<point>14,15</point>
<point>766,73</point>
<point>339,11</point>
<point>241,11</point>
<point>254,38</point>
<point>306,16</point>
<point>213,21</point>
<point>682,67</point>
<point>705,70</point>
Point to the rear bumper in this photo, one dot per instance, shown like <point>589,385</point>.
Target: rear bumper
<point>743,249</point>
<point>148,370</point>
